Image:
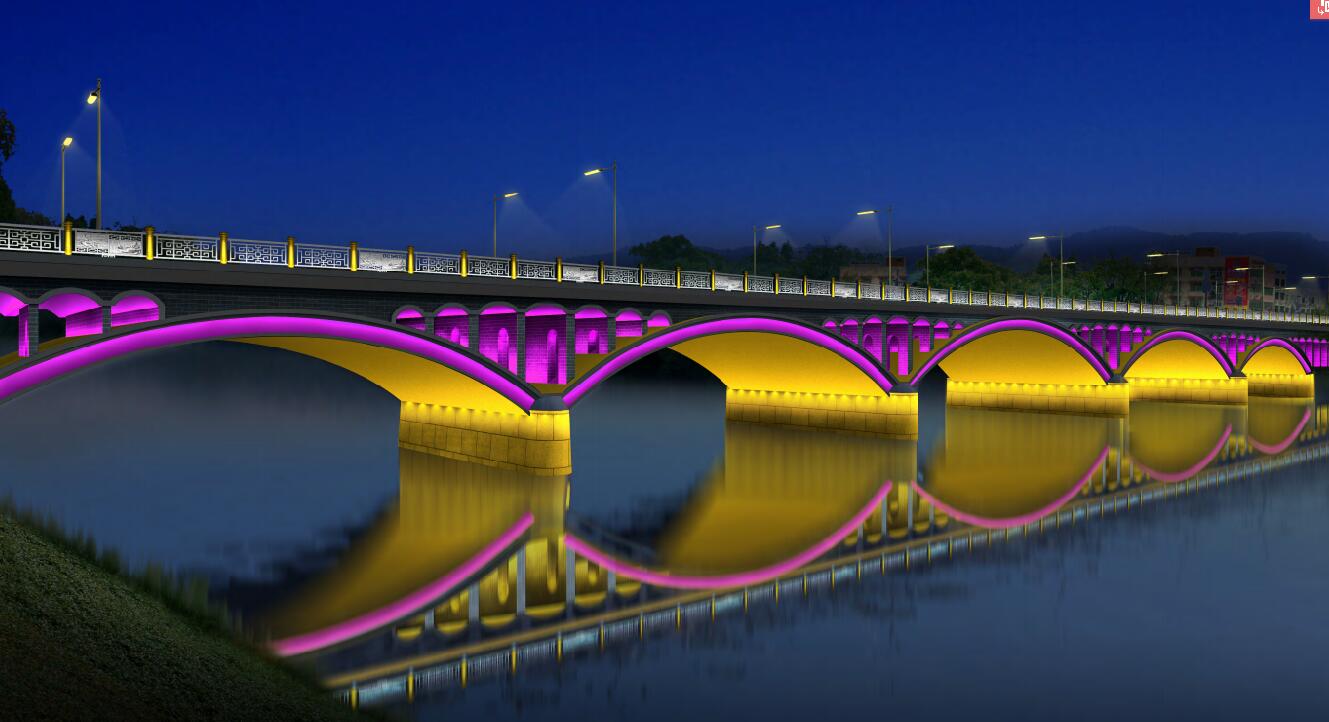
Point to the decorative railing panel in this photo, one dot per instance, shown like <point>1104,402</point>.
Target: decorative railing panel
<point>844,289</point>
<point>658,277</point>
<point>997,299</point>
<point>187,248</point>
<point>918,294</point>
<point>870,291</point>
<point>313,255</point>
<point>819,288</point>
<point>111,244</point>
<point>438,263</point>
<point>375,259</point>
<point>622,275</point>
<point>263,253</point>
<point>761,284</point>
<point>537,270</point>
<point>34,239</point>
<point>580,273</point>
<point>728,282</point>
<point>1014,300</point>
<point>895,293</point>
<point>488,266</point>
<point>696,279</point>
<point>978,298</point>
<point>791,286</point>
<point>1048,302</point>
<point>939,296</point>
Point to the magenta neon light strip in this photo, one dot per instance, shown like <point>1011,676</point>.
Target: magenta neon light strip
<point>1296,353</point>
<point>1016,324</point>
<point>216,329</point>
<point>1195,338</point>
<point>407,605</point>
<point>1281,446</point>
<point>725,581</point>
<point>1172,477</point>
<point>990,523</point>
<point>686,332</point>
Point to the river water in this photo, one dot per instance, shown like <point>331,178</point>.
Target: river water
<point>1194,587</point>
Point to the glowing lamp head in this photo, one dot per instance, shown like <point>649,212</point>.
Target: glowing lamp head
<point>1242,268</point>
<point>1155,255</point>
<point>1309,278</point>
<point>93,96</point>
<point>944,247</point>
<point>68,141</point>
<point>510,195</point>
<point>1038,238</point>
<point>1160,273</point>
<point>866,213</point>
<point>773,226</point>
<point>594,171</point>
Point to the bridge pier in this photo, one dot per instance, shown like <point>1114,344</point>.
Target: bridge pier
<point>895,414</point>
<point>538,443</point>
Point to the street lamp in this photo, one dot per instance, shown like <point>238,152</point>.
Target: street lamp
<point>890,250</point>
<point>64,145</point>
<point>498,198</point>
<point>1061,258</point>
<point>1160,254</point>
<point>771,227</point>
<point>927,261</point>
<point>95,98</point>
<point>613,171</point>
<point>1248,270</point>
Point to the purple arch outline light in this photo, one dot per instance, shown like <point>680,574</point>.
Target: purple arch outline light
<point>1015,324</point>
<point>1180,334</point>
<point>726,581</point>
<point>178,332</point>
<point>688,331</point>
<point>1296,352</point>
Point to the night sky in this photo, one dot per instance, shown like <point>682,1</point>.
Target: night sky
<point>981,122</point>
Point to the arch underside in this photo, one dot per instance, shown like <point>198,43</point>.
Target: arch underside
<point>1018,356</point>
<point>771,362</point>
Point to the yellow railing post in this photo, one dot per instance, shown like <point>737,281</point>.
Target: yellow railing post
<point>410,259</point>
<point>858,293</point>
<point>558,269</point>
<point>223,250</point>
<point>805,285</point>
<point>149,243</point>
<point>463,264</point>
<point>355,256</point>
<point>775,284</point>
<point>745,282</point>
<point>290,251</point>
<point>602,272</point>
<point>641,274</point>
<point>678,276</point>
<point>68,237</point>
<point>512,266</point>
<point>712,279</point>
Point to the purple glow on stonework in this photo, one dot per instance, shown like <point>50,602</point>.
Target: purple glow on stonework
<point>1016,324</point>
<point>590,313</point>
<point>497,310</point>
<point>219,329</point>
<point>1280,447</point>
<point>727,581</point>
<point>669,337</point>
<point>1296,353</point>
<point>408,313</point>
<point>1172,477</point>
<point>451,311</point>
<point>410,604</point>
<point>1179,334</point>
<point>628,315</point>
<point>133,303</point>
<point>1033,516</point>
<point>10,305</point>
<point>659,319</point>
<point>64,304</point>
<point>546,311</point>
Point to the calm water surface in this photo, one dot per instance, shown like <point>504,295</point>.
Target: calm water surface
<point>280,480</point>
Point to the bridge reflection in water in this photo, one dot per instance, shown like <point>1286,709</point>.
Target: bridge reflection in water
<point>786,510</point>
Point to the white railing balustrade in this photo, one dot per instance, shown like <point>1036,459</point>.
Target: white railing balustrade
<point>208,249</point>
<point>187,248</point>
<point>262,253</point>
<point>314,255</point>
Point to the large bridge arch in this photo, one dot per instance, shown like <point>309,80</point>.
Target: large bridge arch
<point>1018,351</point>
<point>1181,365</point>
<point>776,370</point>
<point>1276,367</point>
<point>409,365</point>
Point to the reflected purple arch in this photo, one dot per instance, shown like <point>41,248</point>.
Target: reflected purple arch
<point>220,329</point>
<point>689,331</point>
<point>989,523</point>
<point>727,581</point>
<point>410,604</point>
<point>1172,477</point>
<point>1280,447</point>
<point>1016,324</point>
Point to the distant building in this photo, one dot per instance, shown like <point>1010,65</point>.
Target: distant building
<point>875,272</point>
<point>1209,278</point>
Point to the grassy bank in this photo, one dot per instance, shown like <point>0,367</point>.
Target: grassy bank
<point>79,642</point>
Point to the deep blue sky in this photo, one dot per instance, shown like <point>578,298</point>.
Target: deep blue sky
<point>980,121</point>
